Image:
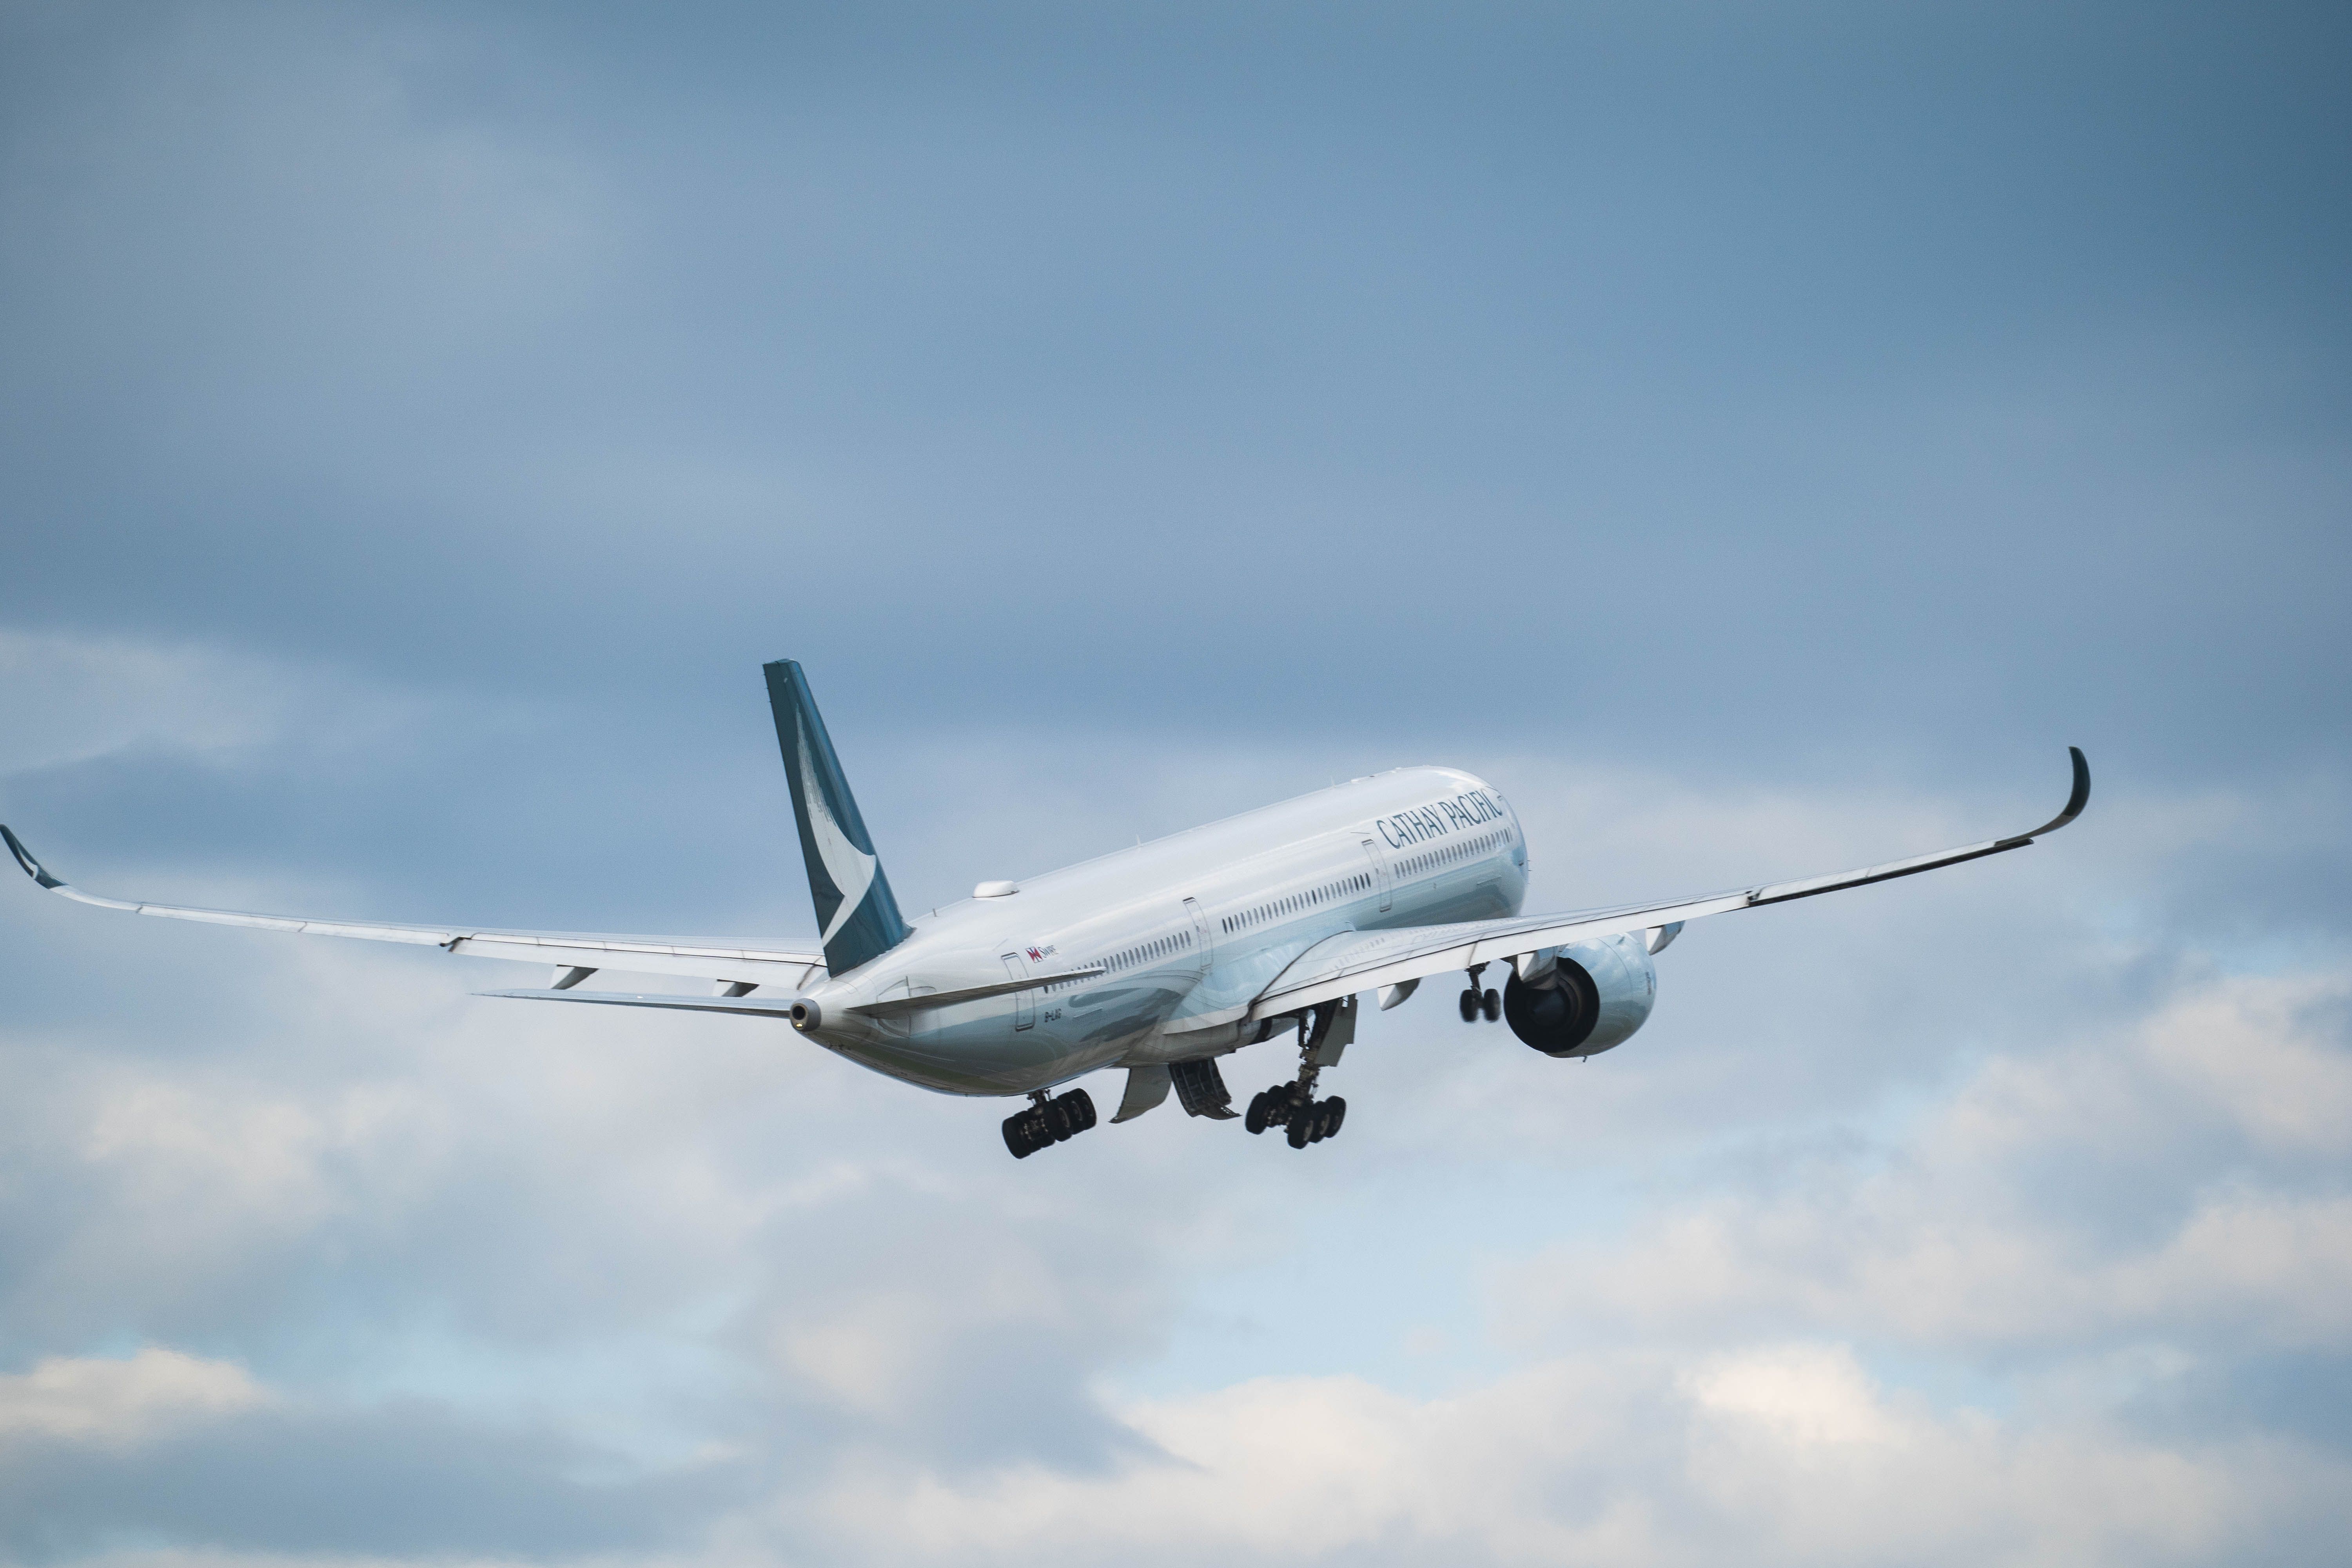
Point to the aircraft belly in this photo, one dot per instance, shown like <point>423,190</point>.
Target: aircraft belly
<point>976,1049</point>
<point>982,1065</point>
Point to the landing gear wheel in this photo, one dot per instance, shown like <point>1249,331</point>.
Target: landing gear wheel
<point>1302,1129</point>
<point>1469,1006</point>
<point>1025,1134</point>
<point>1335,1112</point>
<point>1493,1005</point>
<point>1048,1122</point>
<point>1254,1121</point>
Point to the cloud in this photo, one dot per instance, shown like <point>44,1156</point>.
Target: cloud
<point>121,1403</point>
<point>398,1479</point>
<point>1783,1452</point>
<point>67,698</point>
<point>2181,1179</point>
<point>1759,442</point>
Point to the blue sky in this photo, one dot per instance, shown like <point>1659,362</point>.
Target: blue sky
<point>1757,437</point>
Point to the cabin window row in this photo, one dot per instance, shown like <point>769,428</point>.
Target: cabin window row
<point>1468,848</point>
<point>1297,903</point>
<point>1163,948</point>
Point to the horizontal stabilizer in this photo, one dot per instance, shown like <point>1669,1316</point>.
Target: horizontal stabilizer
<point>748,1006</point>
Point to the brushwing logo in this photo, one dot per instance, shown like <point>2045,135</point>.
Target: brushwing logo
<point>851,868</point>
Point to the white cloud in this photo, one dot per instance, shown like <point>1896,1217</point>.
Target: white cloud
<point>154,1393</point>
<point>701,1229</point>
<point>2267,1055</point>
<point>1780,1452</point>
<point>2178,1177</point>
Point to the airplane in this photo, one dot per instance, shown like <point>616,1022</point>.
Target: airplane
<point>1159,959</point>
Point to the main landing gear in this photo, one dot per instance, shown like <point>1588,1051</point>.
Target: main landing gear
<point>1048,1122</point>
<point>1474,1003</point>
<point>1294,1105</point>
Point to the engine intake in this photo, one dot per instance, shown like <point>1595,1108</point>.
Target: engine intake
<point>1592,996</point>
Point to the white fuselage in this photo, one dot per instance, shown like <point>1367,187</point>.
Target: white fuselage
<point>1190,930</point>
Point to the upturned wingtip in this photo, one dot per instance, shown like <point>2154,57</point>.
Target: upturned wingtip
<point>2082,795</point>
<point>2076,799</point>
<point>32,867</point>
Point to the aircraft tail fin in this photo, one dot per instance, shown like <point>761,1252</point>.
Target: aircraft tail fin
<point>854,908</point>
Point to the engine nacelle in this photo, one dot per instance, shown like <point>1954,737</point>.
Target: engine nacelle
<point>1589,996</point>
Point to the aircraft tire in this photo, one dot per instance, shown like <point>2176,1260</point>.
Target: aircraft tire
<point>1302,1127</point>
<point>1023,1136</point>
<point>1254,1119</point>
<point>1335,1112</point>
<point>1493,1005</point>
<point>1469,1006</point>
<point>1078,1110</point>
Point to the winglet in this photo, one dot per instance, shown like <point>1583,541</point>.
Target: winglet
<point>2076,802</point>
<point>32,867</point>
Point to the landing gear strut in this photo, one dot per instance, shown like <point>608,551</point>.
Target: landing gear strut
<point>1474,1003</point>
<point>1048,1120</point>
<point>1293,1105</point>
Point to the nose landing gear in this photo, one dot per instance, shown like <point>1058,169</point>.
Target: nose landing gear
<point>1048,1120</point>
<point>1293,1105</point>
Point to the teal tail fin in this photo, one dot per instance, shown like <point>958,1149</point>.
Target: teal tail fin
<point>854,908</point>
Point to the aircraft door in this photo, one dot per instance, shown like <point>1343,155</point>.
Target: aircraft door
<point>1024,1003</point>
<point>1203,937</point>
<point>1379,874</point>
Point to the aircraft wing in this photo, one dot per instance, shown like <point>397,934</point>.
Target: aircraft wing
<point>1359,960</point>
<point>576,954</point>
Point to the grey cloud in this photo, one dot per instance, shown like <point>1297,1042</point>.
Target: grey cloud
<point>2180,1183</point>
<point>1758,442</point>
<point>403,1479</point>
<point>1534,317</point>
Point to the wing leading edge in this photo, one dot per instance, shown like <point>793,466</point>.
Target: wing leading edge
<point>732,963</point>
<point>1359,960</point>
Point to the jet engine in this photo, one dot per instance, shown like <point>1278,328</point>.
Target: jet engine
<point>1580,999</point>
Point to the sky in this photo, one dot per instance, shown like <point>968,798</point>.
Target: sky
<point>1757,437</point>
